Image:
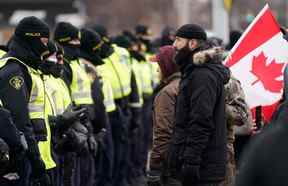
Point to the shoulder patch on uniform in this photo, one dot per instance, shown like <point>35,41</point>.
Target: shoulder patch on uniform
<point>16,82</point>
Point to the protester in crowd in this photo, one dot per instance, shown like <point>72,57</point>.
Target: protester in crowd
<point>163,117</point>
<point>197,152</point>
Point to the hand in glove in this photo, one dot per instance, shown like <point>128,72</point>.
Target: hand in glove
<point>154,178</point>
<point>100,137</point>
<point>93,145</point>
<point>67,118</point>
<point>70,115</point>
<point>189,174</point>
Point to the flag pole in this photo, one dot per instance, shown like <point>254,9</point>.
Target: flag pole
<point>220,20</point>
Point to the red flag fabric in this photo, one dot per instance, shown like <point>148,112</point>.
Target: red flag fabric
<point>258,61</point>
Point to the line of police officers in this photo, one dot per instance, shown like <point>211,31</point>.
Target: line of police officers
<point>74,111</point>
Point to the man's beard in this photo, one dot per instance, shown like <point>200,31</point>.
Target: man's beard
<point>183,55</point>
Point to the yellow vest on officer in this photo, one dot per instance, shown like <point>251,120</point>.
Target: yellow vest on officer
<point>2,53</point>
<point>123,54</point>
<point>136,68</point>
<point>118,74</point>
<point>146,77</point>
<point>58,94</point>
<point>81,84</point>
<point>38,109</point>
<point>154,70</point>
<point>106,88</point>
<point>107,91</point>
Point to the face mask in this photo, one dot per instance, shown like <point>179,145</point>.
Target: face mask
<point>96,59</point>
<point>39,49</point>
<point>137,55</point>
<point>106,51</point>
<point>71,52</point>
<point>57,70</point>
<point>51,66</point>
<point>93,57</point>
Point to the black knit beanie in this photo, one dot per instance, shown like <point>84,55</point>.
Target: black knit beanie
<point>191,31</point>
<point>101,30</point>
<point>90,40</point>
<point>32,27</point>
<point>65,32</point>
<point>91,45</point>
<point>122,41</point>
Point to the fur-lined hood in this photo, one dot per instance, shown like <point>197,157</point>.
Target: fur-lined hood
<point>204,56</point>
<point>212,59</point>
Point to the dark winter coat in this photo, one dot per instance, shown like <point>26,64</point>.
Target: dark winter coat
<point>199,138</point>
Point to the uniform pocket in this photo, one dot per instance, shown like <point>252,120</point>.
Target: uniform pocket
<point>40,130</point>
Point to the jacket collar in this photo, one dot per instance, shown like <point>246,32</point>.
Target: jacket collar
<point>202,58</point>
<point>168,80</point>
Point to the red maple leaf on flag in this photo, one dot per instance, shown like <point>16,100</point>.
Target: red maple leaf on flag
<point>267,73</point>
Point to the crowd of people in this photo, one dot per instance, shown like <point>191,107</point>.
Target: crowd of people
<point>82,108</point>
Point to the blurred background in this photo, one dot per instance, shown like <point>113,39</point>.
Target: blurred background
<point>216,16</point>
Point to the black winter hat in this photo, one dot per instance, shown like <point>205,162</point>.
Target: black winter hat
<point>122,41</point>
<point>90,40</point>
<point>191,31</point>
<point>65,32</point>
<point>101,30</point>
<point>142,30</point>
<point>91,45</point>
<point>131,36</point>
<point>32,27</point>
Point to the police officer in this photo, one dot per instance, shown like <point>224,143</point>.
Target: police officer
<point>62,117</point>
<point>27,50</point>
<point>68,36</point>
<point>150,74</point>
<point>137,173</point>
<point>117,69</point>
<point>90,47</point>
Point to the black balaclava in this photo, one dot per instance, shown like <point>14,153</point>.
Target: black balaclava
<point>142,31</point>
<point>51,65</point>
<point>64,33</point>
<point>106,49</point>
<point>135,53</point>
<point>91,44</point>
<point>26,44</point>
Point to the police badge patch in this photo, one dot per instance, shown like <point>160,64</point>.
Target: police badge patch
<point>16,82</point>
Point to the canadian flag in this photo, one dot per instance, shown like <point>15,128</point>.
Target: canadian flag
<point>258,60</point>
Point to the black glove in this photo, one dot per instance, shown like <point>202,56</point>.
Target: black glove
<point>189,174</point>
<point>154,178</point>
<point>70,115</point>
<point>65,120</point>
<point>100,136</point>
<point>93,145</point>
<point>42,181</point>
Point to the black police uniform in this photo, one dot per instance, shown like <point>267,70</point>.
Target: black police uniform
<point>15,91</point>
<point>89,50</point>
<point>86,165</point>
